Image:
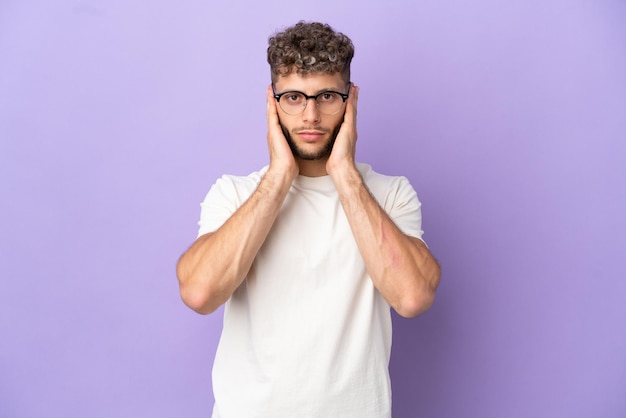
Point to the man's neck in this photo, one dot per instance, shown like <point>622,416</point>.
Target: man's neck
<point>313,168</point>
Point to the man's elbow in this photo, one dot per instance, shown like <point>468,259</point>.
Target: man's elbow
<point>414,305</point>
<point>420,300</point>
<point>199,300</point>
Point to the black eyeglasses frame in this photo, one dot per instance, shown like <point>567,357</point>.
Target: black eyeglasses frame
<point>344,96</point>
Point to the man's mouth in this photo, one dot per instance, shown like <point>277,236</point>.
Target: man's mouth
<point>310,135</point>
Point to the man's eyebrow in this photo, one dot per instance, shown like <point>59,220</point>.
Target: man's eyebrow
<point>314,94</point>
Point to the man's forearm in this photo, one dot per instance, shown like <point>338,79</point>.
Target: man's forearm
<point>217,263</point>
<point>401,267</point>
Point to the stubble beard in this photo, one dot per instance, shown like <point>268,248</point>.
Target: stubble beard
<point>311,156</point>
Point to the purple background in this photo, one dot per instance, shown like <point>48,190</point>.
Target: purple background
<point>508,117</point>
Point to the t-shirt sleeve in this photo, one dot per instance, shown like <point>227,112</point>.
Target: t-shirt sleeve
<point>221,202</point>
<point>404,208</point>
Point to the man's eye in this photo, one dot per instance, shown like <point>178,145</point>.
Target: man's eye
<point>293,98</point>
<point>326,97</point>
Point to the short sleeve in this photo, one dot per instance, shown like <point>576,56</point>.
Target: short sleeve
<point>224,198</point>
<point>405,209</point>
<point>397,198</point>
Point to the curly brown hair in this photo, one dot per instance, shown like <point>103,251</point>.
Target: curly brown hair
<point>309,48</point>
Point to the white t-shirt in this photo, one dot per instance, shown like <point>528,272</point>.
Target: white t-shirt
<point>306,335</point>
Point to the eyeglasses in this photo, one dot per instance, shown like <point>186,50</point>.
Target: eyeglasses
<point>294,102</point>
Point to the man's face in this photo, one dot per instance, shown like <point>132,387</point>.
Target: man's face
<point>311,134</point>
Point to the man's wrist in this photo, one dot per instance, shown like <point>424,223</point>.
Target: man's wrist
<point>346,177</point>
<point>278,178</point>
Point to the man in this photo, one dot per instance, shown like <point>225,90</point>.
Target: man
<point>309,253</point>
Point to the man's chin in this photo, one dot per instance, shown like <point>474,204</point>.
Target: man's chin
<point>317,153</point>
<point>314,154</point>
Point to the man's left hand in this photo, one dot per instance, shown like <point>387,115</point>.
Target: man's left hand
<point>344,149</point>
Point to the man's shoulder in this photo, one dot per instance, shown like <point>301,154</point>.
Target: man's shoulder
<point>374,178</point>
<point>241,180</point>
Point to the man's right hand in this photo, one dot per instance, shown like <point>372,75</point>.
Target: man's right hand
<point>218,262</point>
<point>282,160</point>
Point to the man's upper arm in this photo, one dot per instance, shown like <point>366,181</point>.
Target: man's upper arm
<point>404,208</point>
<point>223,199</point>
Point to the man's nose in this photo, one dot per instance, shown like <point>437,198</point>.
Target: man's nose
<point>311,113</point>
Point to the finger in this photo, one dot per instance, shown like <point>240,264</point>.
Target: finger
<point>268,101</point>
<point>272,110</point>
<point>351,104</point>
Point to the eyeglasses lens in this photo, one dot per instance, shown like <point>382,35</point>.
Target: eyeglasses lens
<point>327,103</point>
